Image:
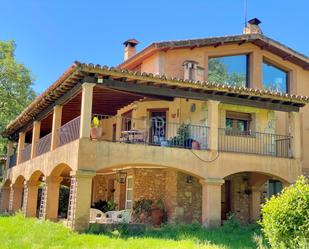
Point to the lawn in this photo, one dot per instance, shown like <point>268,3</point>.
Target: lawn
<point>18,232</point>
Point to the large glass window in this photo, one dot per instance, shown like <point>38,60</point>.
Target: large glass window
<point>231,70</point>
<point>274,78</point>
<point>237,123</point>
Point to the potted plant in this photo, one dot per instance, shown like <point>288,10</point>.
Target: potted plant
<point>182,139</point>
<point>157,212</point>
<point>142,209</point>
<point>195,145</point>
<point>96,128</point>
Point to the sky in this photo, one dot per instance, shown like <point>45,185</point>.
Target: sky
<point>51,35</point>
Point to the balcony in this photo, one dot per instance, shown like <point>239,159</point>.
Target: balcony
<point>255,143</point>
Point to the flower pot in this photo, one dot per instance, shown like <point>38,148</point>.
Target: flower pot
<point>157,216</point>
<point>196,145</point>
<point>94,133</point>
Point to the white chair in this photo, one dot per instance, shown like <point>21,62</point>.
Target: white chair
<point>97,216</point>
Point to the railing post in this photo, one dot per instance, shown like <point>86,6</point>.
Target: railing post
<point>35,137</point>
<point>10,152</point>
<point>295,129</point>
<point>21,146</point>
<point>213,123</point>
<point>57,116</point>
<point>86,110</point>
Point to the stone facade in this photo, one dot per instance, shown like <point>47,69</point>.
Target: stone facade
<point>182,200</point>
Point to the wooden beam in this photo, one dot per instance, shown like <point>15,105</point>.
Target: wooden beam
<point>60,101</point>
<point>180,93</point>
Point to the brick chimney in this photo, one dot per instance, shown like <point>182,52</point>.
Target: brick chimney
<point>129,48</point>
<point>253,27</point>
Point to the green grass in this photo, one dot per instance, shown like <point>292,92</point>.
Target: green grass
<point>19,232</point>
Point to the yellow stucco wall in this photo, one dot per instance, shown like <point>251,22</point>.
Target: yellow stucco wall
<point>298,77</point>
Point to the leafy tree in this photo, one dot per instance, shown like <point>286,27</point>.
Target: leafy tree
<point>16,90</point>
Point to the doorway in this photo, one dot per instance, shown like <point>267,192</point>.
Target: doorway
<point>157,131</point>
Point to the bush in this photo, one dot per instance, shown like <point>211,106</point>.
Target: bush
<point>285,217</point>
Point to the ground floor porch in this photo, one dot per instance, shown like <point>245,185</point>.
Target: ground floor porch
<point>153,194</point>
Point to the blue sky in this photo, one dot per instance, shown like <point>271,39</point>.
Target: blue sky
<point>51,35</point>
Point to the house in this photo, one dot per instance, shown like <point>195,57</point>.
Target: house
<point>203,125</point>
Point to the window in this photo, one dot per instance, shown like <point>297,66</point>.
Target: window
<point>274,78</point>
<point>274,187</point>
<point>237,123</point>
<point>231,70</point>
<point>129,192</point>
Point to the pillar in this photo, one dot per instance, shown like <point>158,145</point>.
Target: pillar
<point>57,117</point>
<point>211,202</point>
<point>35,137</point>
<point>5,198</point>
<point>21,146</point>
<point>213,122</point>
<point>10,152</point>
<point>86,110</point>
<point>255,204</point>
<point>295,130</point>
<point>80,200</point>
<point>30,198</point>
<point>255,70</point>
<point>17,190</point>
<point>50,198</point>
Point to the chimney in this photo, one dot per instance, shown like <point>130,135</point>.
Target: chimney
<point>253,27</point>
<point>129,48</point>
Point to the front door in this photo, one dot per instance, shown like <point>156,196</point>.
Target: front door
<point>226,200</point>
<point>157,127</point>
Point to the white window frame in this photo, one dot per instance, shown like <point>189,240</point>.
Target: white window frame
<point>128,189</point>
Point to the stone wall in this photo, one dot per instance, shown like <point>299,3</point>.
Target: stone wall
<point>189,199</point>
<point>182,200</point>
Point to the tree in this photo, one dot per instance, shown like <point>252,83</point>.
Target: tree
<point>16,90</point>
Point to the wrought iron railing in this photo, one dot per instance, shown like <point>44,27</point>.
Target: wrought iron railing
<point>43,145</point>
<point>155,131</point>
<point>26,153</point>
<point>255,143</point>
<point>68,132</point>
<point>12,160</point>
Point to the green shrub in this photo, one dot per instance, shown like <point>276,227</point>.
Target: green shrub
<point>285,217</point>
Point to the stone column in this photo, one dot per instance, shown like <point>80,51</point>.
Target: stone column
<point>30,198</point>
<point>5,198</point>
<point>80,200</point>
<point>57,117</point>
<point>49,205</point>
<point>35,137</point>
<point>255,204</point>
<point>211,202</point>
<point>10,151</point>
<point>86,110</point>
<point>213,123</point>
<point>295,129</point>
<point>21,146</point>
<point>17,197</point>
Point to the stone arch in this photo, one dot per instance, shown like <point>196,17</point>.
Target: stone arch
<point>36,175</point>
<point>61,169</point>
<point>7,183</point>
<point>149,165</point>
<point>283,179</point>
<point>19,180</point>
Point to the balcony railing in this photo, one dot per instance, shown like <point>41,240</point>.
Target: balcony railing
<point>255,143</point>
<point>43,145</point>
<point>12,160</point>
<point>26,153</point>
<point>68,132</point>
<point>155,131</point>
